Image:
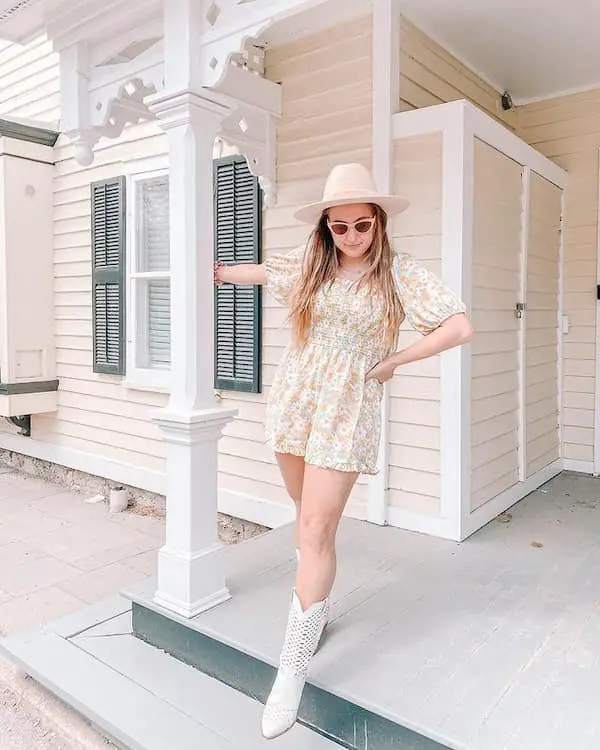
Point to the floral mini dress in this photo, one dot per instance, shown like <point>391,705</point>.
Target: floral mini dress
<point>320,406</point>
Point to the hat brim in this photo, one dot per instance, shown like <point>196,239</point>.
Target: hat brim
<point>391,204</point>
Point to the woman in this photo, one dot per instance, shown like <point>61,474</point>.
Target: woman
<point>347,293</point>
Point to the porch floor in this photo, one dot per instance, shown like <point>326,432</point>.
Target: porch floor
<point>492,643</point>
<point>486,645</point>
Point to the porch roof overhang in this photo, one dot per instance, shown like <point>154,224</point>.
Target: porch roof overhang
<point>520,48</point>
<point>116,57</point>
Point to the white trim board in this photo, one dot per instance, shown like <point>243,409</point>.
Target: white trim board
<point>487,512</point>
<point>455,364</point>
<point>493,133</point>
<point>255,509</point>
<point>479,125</point>
<point>244,507</point>
<point>134,476</point>
<point>559,324</point>
<point>444,528</point>
<point>385,99</point>
<point>596,462</point>
<point>580,467</point>
<point>522,333</point>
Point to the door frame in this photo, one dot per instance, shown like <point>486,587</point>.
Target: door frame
<point>595,468</point>
<point>460,122</point>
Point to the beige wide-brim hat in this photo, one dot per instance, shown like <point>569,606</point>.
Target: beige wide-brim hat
<point>347,184</point>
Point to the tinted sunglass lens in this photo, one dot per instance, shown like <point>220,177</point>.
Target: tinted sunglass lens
<point>339,229</point>
<point>363,226</point>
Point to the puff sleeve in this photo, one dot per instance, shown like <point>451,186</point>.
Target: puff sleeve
<point>426,301</point>
<point>283,271</point>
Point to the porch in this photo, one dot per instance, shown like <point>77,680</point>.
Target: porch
<point>492,643</point>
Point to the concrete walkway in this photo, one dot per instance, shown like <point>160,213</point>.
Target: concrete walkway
<point>58,554</point>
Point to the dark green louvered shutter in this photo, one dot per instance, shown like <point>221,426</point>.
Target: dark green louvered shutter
<point>108,275</point>
<point>238,208</point>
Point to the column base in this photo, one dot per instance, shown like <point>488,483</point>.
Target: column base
<point>184,609</point>
<point>189,585</point>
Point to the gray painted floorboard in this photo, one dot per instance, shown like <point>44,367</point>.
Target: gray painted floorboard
<point>492,644</point>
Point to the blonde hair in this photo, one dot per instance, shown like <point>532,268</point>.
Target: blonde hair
<point>321,264</point>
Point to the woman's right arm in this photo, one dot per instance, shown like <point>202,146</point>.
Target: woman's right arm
<point>241,273</point>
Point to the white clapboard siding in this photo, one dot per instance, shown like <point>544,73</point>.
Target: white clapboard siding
<point>496,290</point>
<point>414,480</point>
<point>97,415</point>
<point>567,130</point>
<point>541,319</point>
<point>29,81</point>
<point>430,75</point>
<point>326,120</point>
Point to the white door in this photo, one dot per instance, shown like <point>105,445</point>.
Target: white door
<point>496,347</point>
<point>541,382</point>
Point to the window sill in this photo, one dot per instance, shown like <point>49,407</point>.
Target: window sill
<point>147,380</point>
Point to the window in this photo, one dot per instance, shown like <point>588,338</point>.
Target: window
<point>149,309</point>
<point>131,277</point>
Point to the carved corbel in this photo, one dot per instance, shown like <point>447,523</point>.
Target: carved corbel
<point>116,107</point>
<point>256,107</point>
<point>253,133</point>
<point>100,100</point>
<point>216,56</point>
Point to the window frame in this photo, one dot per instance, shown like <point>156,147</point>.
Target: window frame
<point>139,377</point>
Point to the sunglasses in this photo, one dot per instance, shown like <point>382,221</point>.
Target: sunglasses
<point>341,227</point>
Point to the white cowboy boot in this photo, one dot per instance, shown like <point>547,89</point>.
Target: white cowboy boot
<point>303,632</point>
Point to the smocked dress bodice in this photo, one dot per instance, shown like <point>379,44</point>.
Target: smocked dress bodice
<point>320,406</point>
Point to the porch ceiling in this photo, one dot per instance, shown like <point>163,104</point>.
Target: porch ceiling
<point>534,49</point>
<point>520,47</point>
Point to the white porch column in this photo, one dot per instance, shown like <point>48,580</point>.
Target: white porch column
<point>191,574</point>
<point>386,99</point>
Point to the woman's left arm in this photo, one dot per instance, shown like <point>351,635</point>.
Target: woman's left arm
<point>454,331</point>
<point>432,309</point>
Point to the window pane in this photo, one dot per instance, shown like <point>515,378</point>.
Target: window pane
<point>152,224</point>
<point>155,318</point>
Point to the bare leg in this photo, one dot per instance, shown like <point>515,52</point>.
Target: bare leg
<point>292,471</point>
<point>324,495</point>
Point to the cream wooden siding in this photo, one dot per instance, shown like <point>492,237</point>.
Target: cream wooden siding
<point>430,75</point>
<point>29,81</point>
<point>541,319</point>
<point>96,414</point>
<point>414,473</point>
<point>326,120</point>
<point>567,130</point>
<point>495,407</point>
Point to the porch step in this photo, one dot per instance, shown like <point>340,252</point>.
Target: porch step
<point>350,692</point>
<point>141,697</point>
